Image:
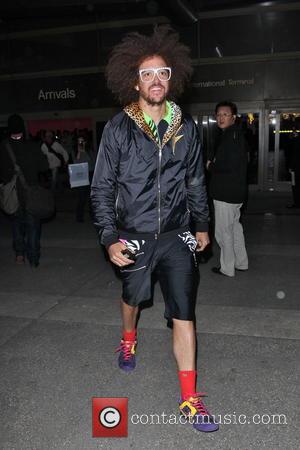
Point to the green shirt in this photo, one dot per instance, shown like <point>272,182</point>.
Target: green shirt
<point>152,125</point>
<point>167,117</point>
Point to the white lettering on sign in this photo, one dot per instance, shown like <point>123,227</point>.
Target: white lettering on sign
<point>224,83</point>
<point>56,95</point>
<point>206,84</point>
<point>240,82</point>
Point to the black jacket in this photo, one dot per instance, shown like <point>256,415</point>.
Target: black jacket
<point>28,156</point>
<point>143,187</point>
<point>228,182</point>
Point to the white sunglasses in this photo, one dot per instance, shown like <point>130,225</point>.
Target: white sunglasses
<point>148,75</point>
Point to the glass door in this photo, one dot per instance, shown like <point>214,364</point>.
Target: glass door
<point>284,141</point>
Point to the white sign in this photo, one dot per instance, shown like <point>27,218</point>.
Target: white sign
<point>79,174</point>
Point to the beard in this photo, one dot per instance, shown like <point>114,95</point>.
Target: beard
<point>151,101</point>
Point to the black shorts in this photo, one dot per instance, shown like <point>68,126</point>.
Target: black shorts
<point>171,258</point>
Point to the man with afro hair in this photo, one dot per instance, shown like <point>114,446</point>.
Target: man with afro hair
<point>148,188</point>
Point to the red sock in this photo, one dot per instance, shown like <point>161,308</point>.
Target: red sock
<point>187,379</point>
<point>129,335</point>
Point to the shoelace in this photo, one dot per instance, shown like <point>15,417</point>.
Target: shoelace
<point>126,348</point>
<point>196,401</point>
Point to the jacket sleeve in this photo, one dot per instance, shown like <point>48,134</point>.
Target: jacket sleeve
<point>196,184</point>
<point>233,156</point>
<point>6,165</point>
<point>104,186</point>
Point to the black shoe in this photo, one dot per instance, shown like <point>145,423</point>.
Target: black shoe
<point>34,263</point>
<point>201,259</point>
<point>217,270</point>
<point>20,260</point>
<point>241,270</point>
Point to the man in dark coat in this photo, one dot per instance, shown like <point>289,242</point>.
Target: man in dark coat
<point>26,228</point>
<point>228,189</point>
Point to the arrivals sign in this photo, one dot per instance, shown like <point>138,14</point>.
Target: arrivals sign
<point>87,91</point>
<point>56,95</point>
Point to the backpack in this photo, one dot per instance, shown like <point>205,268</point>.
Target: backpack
<point>9,201</point>
<point>38,201</point>
<point>58,155</point>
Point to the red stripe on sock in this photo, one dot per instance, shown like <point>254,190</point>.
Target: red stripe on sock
<point>187,379</point>
<point>129,335</point>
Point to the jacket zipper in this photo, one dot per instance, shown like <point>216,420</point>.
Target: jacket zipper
<point>116,204</point>
<point>158,186</point>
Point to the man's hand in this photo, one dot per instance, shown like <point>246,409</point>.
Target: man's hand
<point>202,239</point>
<point>115,255</point>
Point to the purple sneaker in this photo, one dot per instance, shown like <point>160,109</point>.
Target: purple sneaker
<point>193,408</point>
<point>127,355</point>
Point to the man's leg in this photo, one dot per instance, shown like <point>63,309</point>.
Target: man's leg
<point>184,344</point>
<point>191,406</point>
<point>129,316</point>
<point>241,257</point>
<point>33,236</point>
<point>224,219</point>
<point>136,281</point>
<point>81,200</point>
<point>18,231</point>
<point>178,279</point>
<point>54,173</point>
<point>128,342</point>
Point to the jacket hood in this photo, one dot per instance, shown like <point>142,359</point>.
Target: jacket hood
<point>135,113</point>
<point>15,124</point>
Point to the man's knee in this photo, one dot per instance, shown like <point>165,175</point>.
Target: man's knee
<point>183,325</point>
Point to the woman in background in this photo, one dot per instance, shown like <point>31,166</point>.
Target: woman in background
<point>83,154</point>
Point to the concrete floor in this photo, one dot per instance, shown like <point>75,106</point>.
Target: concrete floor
<point>60,325</point>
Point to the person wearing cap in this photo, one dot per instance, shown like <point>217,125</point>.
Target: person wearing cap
<point>26,229</point>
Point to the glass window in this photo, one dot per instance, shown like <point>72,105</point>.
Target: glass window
<point>54,52</point>
<point>112,36</point>
<point>267,32</point>
<point>4,57</point>
<point>189,36</point>
<point>289,144</point>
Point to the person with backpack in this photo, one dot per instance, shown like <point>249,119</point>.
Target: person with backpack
<point>30,161</point>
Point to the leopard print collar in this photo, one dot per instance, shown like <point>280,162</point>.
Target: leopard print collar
<point>135,113</point>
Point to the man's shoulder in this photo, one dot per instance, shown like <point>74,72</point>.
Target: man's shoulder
<point>117,125</point>
<point>32,146</point>
<point>187,119</point>
<point>117,119</point>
